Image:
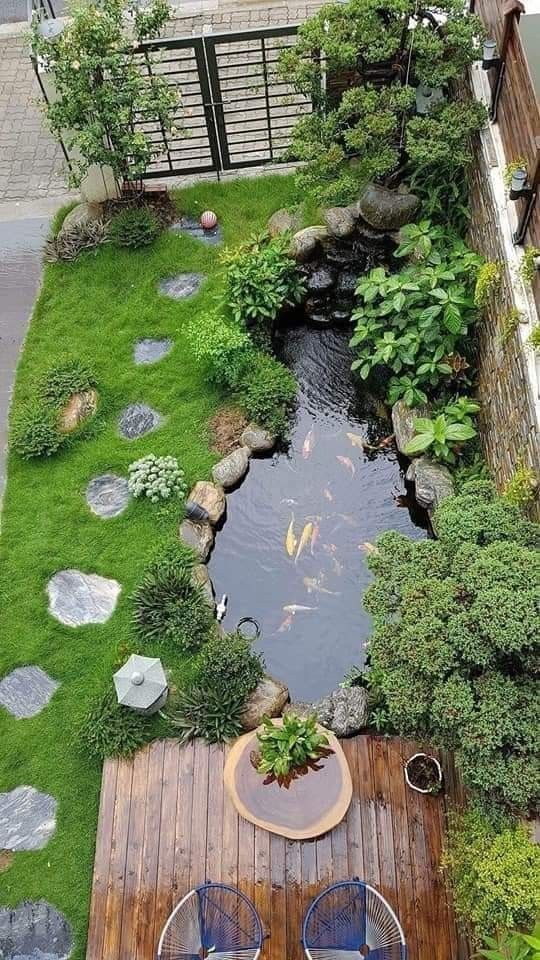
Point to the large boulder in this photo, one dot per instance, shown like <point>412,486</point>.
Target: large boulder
<point>79,408</point>
<point>305,242</point>
<point>268,699</point>
<point>432,482</point>
<point>210,498</point>
<point>81,215</point>
<point>403,418</point>
<point>345,711</point>
<point>201,578</point>
<point>229,471</point>
<point>340,221</point>
<point>198,536</point>
<point>283,221</point>
<point>386,209</point>
<point>257,439</point>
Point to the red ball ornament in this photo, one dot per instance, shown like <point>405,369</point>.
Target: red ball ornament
<point>208,220</point>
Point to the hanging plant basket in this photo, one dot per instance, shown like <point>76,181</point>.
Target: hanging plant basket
<point>424,773</point>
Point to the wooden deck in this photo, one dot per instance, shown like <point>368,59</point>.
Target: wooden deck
<point>165,826</point>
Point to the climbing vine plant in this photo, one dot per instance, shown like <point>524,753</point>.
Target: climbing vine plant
<point>101,94</point>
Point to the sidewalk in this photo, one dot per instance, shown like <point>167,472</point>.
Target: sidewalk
<point>32,165</point>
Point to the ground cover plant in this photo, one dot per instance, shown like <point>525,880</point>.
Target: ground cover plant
<point>97,308</point>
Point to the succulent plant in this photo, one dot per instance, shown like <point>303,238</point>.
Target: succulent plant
<point>158,478</point>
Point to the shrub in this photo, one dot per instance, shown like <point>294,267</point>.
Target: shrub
<point>228,663</point>
<point>169,608</point>
<point>287,747</point>
<point>64,379</point>
<point>135,227</point>
<point>495,875</point>
<point>454,640</point>
<point>261,280</point>
<point>110,730</point>
<point>527,267</point>
<point>207,712</point>
<point>441,139</point>
<point>444,435</point>
<point>222,346</point>
<point>68,244</point>
<point>34,432</point>
<point>158,478</point>
<point>267,392</point>
<point>534,338</point>
<point>413,322</point>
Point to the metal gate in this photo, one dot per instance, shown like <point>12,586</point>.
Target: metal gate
<point>235,110</point>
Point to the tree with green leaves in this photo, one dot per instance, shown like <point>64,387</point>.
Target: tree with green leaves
<point>104,91</point>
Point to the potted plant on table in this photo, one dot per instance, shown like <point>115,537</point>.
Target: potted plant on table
<point>290,749</point>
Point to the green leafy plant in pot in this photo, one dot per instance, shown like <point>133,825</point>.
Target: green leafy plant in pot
<point>290,749</point>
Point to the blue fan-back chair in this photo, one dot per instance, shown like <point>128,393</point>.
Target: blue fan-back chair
<point>351,921</point>
<point>213,920</point>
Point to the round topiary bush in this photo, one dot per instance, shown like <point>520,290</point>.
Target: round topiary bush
<point>228,663</point>
<point>135,227</point>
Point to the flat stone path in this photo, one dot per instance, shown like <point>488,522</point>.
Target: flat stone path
<point>107,495</point>
<point>77,599</point>
<point>138,419</point>
<point>34,930</point>
<point>182,286</point>
<point>192,228</point>
<point>26,691</point>
<point>27,819</point>
<point>151,350</point>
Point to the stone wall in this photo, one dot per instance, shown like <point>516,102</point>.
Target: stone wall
<point>509,425</point>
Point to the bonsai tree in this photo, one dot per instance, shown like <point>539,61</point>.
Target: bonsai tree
<point>103,91</point>
<point>358,129</point>
<point>290,748</point>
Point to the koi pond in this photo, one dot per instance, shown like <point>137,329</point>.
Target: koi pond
<point>292,551</point>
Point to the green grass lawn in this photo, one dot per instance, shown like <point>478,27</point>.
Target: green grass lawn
<point>97,308</point>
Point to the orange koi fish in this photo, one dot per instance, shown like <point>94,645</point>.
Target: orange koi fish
<point>309,443</point>
<point>347,462</point>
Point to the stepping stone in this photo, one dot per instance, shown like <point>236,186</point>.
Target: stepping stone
<point>192,228</point>
<point>34,930</point>
<point>25,691</point>
<point>150,350</point>
<point>107,495</point>
<point>182,286</point>
<point>76,598</point>
<point>137,420</point>
<point>27,819</point>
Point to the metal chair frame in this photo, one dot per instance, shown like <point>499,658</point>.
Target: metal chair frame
<point>246,953</point>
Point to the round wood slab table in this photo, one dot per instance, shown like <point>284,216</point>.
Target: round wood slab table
<point>312,804</point>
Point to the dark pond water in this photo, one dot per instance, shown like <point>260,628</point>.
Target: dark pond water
<point>348,493</point>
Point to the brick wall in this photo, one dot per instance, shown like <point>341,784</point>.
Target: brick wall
<point>508,422</point>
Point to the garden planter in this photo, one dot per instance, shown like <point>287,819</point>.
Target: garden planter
<point>309,806</point>
<point>423,773</point>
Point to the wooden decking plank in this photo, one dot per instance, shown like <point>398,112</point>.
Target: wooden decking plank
<point>420,868</point>
<point>117,867</point>
<point>214,837</point>
<point>184,806</point>
<point>367,813</point>
<point>229,849</point>
<point>246,858</point>
<point>440,919</point>
<point>262,881</point>
<point>146,944</point>
<point>293,879</point>
<point>354,817</point>
<point>406,907</point>
<point>278,912</point>
<point>199,815</point>
<point>167,834</point>
<point>100,882</point>
<point>383,818</point>
<point>132,885</point>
